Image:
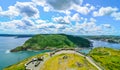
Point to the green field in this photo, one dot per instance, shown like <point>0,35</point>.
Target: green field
<point>108,58</point>
<point>72,62</point>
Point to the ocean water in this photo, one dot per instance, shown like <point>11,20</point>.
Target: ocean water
<point>105,44</point>
<point>6,57</point>
<point>97,43</point>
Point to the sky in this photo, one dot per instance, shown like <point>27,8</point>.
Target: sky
<point>76,17</point>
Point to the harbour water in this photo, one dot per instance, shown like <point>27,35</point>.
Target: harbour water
<point>6,57</point>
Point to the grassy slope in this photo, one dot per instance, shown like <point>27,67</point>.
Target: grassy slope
<point>107,57</point>
<point>53,41</point>
<point>52,63</point>
<point>58,63</point>
<point>20,65</point>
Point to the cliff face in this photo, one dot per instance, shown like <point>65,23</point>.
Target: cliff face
<point>52,41</point>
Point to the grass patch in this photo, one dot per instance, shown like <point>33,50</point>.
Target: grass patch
<point>67,62</point>
<point>108,58</point>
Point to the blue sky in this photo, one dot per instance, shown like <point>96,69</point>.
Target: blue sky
<point>79,17</point>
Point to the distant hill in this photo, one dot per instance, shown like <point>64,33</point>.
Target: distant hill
<point>53,41</point>
<point>107,38</point>
<point>17,35</point>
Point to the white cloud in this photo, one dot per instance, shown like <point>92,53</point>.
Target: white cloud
<point>27,22</point>
<point>0,8</point>
<point>62,23</point>
<point>67,12</point>
<point>27,9</point>
<point>107,25</point>
<point>40,21</point>
<point>64,6</point>
<point>62,20</point>
<point>75,17</point>
<point>24,9</point>
<point>24,24</point>
<point>46,9</point>
<point>91,28</point>
<point>67,19</point>
<point>11,12</point>
<point>42,26</point>
<point>12,25</point>
<point>92,20</point>
<point>83,9</point>
<point>27,25</point>
<point>52,28</point>
<point>116,15</point>
<point>50,25</point>
<point>104,11</point>
<point>92,8</point>
<point>39,2</point>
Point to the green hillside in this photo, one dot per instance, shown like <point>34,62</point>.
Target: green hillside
<point>108,58</point>
<point>52,41</point>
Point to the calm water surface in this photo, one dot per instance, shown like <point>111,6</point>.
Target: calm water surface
<point>105,44</point>
<point>7,58</point>
<point>97,43</point>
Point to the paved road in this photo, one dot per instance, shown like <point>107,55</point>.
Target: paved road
<point>93,63</point>
<point>42,63</point>
<point>32,66</point>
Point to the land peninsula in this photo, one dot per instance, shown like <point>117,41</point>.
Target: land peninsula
<point>52,41</point>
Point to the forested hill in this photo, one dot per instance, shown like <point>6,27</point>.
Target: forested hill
<point>52,41</point>
<point>107,38</point>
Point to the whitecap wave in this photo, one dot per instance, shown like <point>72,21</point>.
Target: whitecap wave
<point>7,51</point>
